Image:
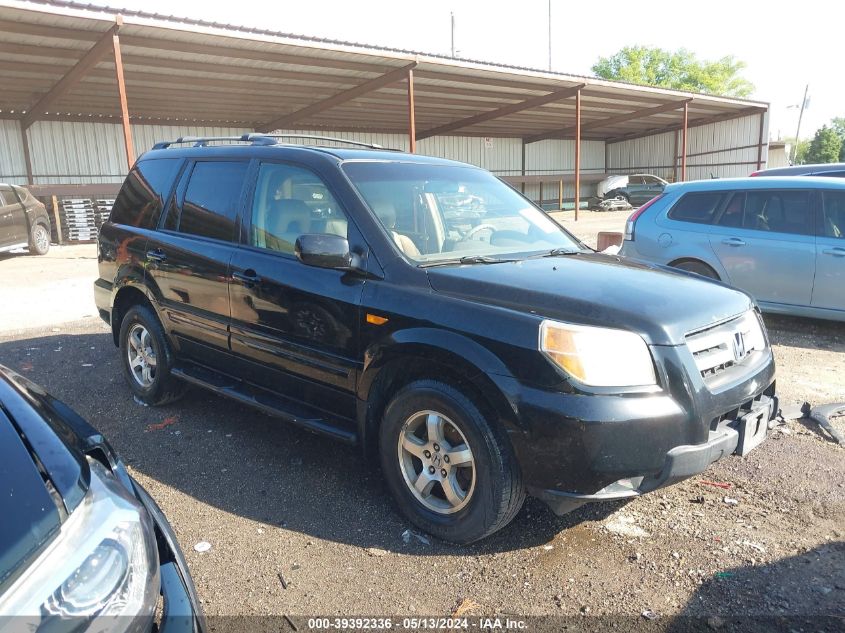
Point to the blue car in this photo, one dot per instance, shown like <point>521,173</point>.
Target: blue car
<point>782,240</point>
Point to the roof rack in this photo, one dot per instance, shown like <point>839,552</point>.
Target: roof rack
<point>258,139</point>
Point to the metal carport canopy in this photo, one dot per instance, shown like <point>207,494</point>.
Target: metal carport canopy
<point>57,61</point>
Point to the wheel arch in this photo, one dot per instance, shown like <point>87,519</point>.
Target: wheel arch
<point>126,296</point>
<point>697,260</point>
<point>428,353</point>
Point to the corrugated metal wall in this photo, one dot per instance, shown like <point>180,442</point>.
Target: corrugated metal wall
<point>93,152</point>
<point>12,164</point>
<point>82,152</point>
<point>558,156</point>
<point>654,154</point>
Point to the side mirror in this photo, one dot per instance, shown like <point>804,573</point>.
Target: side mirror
<point>324,251</point>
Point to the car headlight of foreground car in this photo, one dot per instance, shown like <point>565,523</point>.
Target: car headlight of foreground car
<point>597,356</point>
<point>103,563</point>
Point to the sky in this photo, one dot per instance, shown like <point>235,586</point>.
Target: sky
<point>785,46</point>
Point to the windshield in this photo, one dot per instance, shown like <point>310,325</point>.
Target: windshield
<point>438,213</point>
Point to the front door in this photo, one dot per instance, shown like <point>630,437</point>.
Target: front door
<point>13,229</point>
<point>188,257</point>
<point>829,289</point>
<point>299,321</point>
<point>765,241</point>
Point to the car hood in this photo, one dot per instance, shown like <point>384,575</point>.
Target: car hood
<point>43,471</point>
<point>661,304</point>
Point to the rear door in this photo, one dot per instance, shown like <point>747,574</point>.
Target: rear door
<point>13,229</point>
<point>829,289</point>
<point>765,240</point>
<point>188,257</point>
<point>298,321</point>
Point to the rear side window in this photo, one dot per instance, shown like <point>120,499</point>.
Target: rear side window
<point>699,207</point>
<point>141,198</point>
<point>831,174</point>
<point>211,200</point>
<point>834,214</point>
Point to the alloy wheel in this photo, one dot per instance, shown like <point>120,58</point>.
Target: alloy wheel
<point>436,461</point>
<point>142,357</point>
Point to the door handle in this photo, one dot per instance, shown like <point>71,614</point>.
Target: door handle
<point>836,252</point>
<point>156,255</point>
<point>733,241</point>
<point>248,277</point>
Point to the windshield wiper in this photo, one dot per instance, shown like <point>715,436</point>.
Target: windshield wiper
<point>469,259</point>
<point>556,252</point>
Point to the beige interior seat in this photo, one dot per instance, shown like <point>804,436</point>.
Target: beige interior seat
<point>286,220</point>
<point>386,213</point>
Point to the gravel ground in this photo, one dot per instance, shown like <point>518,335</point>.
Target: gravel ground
<point>272,499</point>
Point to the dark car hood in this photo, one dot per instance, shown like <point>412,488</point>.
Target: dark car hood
<point>42,447</point>
<point>594,289</point>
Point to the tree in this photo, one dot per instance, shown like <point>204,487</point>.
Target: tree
<point>838,125</point>
<point>825,146</point>
<point>680,70</point>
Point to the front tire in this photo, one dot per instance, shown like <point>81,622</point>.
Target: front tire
<point>449,471</point>
<point>39,239</point>
<point>147,358</point>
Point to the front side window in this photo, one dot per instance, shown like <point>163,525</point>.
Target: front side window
<point>290,201</point>
<point>211,199</point>
<point>698,207</point>
<point>443,212</point>
<point>141,198</point>
<point>7,197</point>
<point>834,214</point>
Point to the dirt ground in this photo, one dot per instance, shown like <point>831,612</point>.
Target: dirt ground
<point>272,499</point>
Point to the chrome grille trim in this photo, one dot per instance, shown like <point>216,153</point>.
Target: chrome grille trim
<point>729,344</point>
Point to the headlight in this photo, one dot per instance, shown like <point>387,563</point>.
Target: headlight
<point>104,562</point>
<point>596,356</point>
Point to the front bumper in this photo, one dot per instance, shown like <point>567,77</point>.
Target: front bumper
<point>576,447</point>
<point>182,612</point>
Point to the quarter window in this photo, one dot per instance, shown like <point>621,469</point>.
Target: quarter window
<point>211,200</point>
<point>834,214</point>
<point>140,200</point>
<point>291,201</point>
<point>699,207</point>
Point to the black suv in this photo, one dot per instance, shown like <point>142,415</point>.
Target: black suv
<point>479,355</point>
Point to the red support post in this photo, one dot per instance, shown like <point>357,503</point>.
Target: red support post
<point>412,125</point>
<point>684,143</point>
<point>124,107</point>
<point>577,152</point>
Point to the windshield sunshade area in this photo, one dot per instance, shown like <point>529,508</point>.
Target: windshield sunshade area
<point>439,213</point>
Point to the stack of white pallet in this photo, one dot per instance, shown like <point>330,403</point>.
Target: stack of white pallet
<point>82,217</point>
<point>103,206</point>
<point>78,219</point>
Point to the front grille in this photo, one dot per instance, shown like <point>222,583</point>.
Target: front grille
<point>728,345</point>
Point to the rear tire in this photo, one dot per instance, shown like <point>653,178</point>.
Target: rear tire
<point>460,499</point>
<point>147,358</point>
<point>697,267</point>
<point>39,239</point>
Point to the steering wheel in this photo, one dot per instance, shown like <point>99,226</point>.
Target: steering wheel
<point>477,229</point>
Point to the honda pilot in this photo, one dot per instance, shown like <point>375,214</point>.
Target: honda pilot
<point>426,311</point>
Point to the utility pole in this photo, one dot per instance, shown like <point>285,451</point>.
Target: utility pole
<point>452,14</point>
<point>550,35</point>
<point>800,116</point>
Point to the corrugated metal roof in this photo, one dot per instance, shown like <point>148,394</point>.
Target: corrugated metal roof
<point>179,69</point>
